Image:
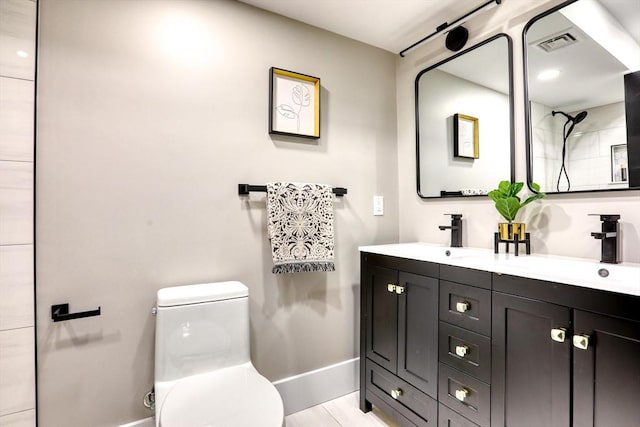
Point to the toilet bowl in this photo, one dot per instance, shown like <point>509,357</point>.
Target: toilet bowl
<point>203,374</point>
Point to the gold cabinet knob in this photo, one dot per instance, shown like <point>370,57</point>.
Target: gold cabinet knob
<point>581,341</point>
<point>461,307</point>
<point>391,287</point>
<point>462,350</point>
<point>399,289</point>
<point>396,393</point>
<point>462,394</point>
<point>558,334</point>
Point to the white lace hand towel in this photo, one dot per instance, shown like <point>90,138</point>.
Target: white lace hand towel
<point>300,227</point>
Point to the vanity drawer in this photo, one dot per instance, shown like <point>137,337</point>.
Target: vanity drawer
<point>466,306</point>
<point>477,278</point>
<point>410,420</point>
<point>464,394</point>
<point>386,385</point>
<point>449,418</point>
<point>466,351</point>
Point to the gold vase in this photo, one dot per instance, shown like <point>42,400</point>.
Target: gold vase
<point>508,230</point>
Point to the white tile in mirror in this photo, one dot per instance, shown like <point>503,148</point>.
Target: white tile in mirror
<point>17,38</point>
<point>16,119</point>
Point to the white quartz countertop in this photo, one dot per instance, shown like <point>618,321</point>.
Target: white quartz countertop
<point>622,278</point>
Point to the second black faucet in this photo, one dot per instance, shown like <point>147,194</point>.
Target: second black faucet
<point>456,230</point>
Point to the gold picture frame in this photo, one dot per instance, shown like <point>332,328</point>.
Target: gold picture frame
<point>294,104</point>
<point>466,142</point>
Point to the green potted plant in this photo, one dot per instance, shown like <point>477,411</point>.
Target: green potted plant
<point>508,203</point>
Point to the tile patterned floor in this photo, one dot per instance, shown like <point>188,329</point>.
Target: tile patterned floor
<point>340,412</point>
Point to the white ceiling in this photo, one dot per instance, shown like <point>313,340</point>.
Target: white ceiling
<point>388,24</point>
<point>585,61</point>
<point>394,25</point>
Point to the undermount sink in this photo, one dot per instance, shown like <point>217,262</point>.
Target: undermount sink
<point>433,253</point>
<point>574,271</point>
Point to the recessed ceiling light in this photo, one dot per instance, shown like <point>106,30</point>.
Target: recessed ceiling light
<point>549,74</point>
<point>22,53</point>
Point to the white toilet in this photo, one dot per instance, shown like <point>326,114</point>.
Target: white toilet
<point>203,372</point>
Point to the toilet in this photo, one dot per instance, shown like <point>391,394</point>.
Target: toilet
<point>203,372</point>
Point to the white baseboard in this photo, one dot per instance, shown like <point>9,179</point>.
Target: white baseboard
<point>307,389</point>
<point>315,387</point>
<point>147,422</point>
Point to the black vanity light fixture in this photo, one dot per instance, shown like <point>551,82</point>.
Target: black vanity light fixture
<point>457,35</point>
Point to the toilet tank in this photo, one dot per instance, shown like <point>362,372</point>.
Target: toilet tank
<point>201,328</point>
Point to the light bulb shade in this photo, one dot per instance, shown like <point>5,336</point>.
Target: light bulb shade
<point>457,38</point>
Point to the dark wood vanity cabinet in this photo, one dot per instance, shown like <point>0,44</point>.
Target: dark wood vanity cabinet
<point>531,371</point>
<point>464,347</point>
<point>400,331</point>
<point>452,346</point>
<point>606,375</point>
<point>564,356</point>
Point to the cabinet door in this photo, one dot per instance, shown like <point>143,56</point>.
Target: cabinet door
<point>530,371</point>
<point>382,317</point>
<point>606,374</point>
<point>418,332</point>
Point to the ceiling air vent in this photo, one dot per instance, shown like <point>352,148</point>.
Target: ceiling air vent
<point>557,41</point>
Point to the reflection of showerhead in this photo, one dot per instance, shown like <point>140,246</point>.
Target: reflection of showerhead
<point>572,122</point>
<point>580,117</point>
<point>577,119</point>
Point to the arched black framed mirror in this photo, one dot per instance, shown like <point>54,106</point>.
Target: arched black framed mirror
<point>464,121</point>
<point>582,92</point>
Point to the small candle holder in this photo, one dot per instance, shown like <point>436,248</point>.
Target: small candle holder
<point>516,242</point>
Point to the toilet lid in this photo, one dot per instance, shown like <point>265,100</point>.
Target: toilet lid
<point>230,397</point>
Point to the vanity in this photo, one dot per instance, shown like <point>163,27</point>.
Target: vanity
<point>465,337</point>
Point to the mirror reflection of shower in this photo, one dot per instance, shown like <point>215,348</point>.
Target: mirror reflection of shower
<point>571,122</point>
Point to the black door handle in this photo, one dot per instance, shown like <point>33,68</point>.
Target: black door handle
<point>60,312</point>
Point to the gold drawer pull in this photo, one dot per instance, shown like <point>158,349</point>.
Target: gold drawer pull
<point>581,341</point>
<point>462,350</point>
<point>396,393</point>
<point>558,334</point>
<point>461,307</point>
<point>462,394</point>
<point>391,287</point>
<point>399,289</point>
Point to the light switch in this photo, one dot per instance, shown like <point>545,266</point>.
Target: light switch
<point>378,205</point>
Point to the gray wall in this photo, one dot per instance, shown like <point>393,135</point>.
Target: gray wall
<point>143,136</point>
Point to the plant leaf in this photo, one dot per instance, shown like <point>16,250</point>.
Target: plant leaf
<point>495,195</point>
<point>532,198</point>
<point>515,188</point>
<point>287,111</point>
<point>535,187</point>
<point>504,187</point>
<point>508,207</point>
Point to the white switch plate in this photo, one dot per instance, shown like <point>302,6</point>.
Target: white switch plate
<point>378,205</point>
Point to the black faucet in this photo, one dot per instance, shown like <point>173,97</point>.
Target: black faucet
<point>456,230</point>
<point>609,236</point>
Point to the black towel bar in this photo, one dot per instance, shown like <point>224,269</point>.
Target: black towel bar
<point>244,189</point>
<point>60,312</point>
